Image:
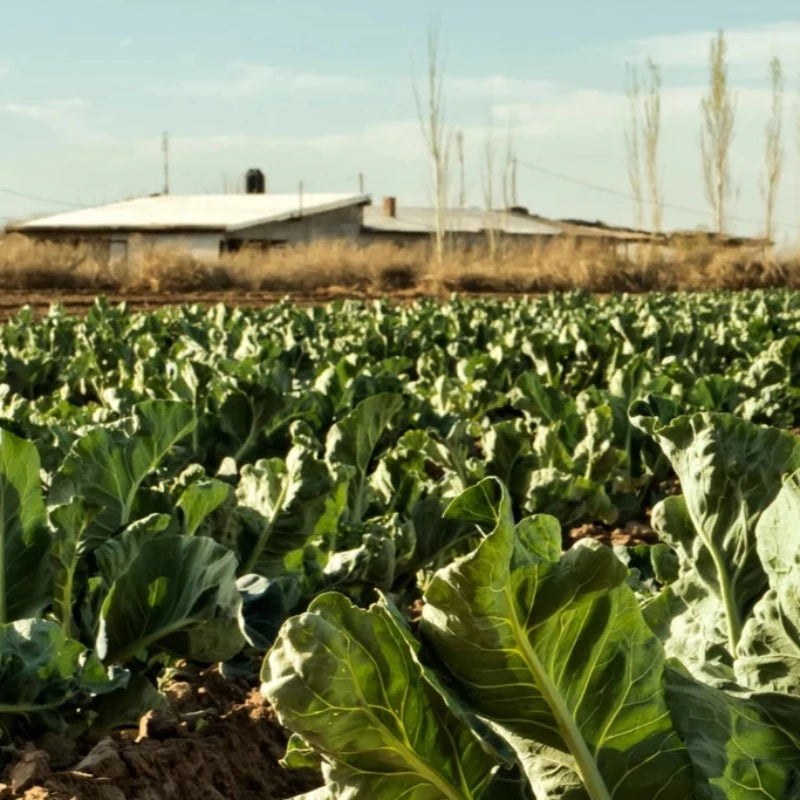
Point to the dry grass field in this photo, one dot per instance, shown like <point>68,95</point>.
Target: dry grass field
<point>341,267</point>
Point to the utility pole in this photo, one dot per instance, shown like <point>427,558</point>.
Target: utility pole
<point>361,183</point>
<point>165,149</point>
<point>462,199</point>
<point>514,182</point>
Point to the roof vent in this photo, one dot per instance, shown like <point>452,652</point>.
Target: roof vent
<point>255,182</point>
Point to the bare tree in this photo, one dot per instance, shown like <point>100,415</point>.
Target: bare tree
<point>438,137</point>
<point>633,93</point>
<point>509,166</point>
<point>651,130</point>
<point>716,134</point>
<point>797,139</point>
<point>509,173</point>
<point>462,193</point>
<point>488,180</point>
<point>773,146</point>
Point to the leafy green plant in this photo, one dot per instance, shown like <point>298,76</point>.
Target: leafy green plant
<point>553,651</point>
<point>176,484</point>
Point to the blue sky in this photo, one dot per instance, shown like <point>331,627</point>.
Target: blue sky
<point>320,91</point>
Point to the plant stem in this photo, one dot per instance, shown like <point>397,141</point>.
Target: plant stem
<point>263,538</point>
<point>586,764</point>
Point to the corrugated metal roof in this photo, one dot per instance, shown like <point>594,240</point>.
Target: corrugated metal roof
<point>597,230</point>
<point>415,219</point>
<point>223,212</point>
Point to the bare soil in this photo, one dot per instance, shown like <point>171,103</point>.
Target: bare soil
<point>11,301</point>
<point>631,534</point>
<point>217,741</point>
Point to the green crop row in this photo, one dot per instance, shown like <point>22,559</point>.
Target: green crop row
<point>211,484</point>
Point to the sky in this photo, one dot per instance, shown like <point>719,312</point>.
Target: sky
<point>320,91</point>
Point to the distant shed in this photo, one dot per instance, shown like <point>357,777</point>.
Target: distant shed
<point>466,226</point>
<point>205,225</point>
<point>599,231</point>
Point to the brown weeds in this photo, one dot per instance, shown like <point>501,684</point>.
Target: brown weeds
<point>516,267</point>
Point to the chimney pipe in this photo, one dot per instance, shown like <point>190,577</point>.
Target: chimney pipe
<point>389,206</point>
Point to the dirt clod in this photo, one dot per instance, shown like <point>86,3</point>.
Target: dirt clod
<point>158,724</point>
<point>103,761</point>
<point>230,753</point>
<point>180,695</point>
<point>32,768</point>
<point>61,749</point>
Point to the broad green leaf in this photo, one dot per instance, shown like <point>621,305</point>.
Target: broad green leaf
<point>487,505</point>
<point>106,467</point>
<point>349,682</point>
<point>540,535</point>
<point>353,439</point>
<point>769,654</point>
<point>418,465</point>
<point>558,653</point>
<point>252,410</point>
<point>545,404</point>
<point>686,615</point>
<point>730,471</point>
<point>650,568</point>
<point>199,499</point>
<point>279,505</point>
<point>300,754</point>
<point>42,669</point>
<point>595,455</point>
<point>385,550</point>
<point>25,577</point>
<point>70,523</point>
<point>505,444</point>
<point>178,594</point>
<point>550,772</point>
<point>116,555</point>
<point>737,751</point>
<point>571,498</point>
<point>438,540</point>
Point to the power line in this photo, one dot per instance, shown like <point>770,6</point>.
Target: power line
<point>617,193</point>
<point>38,199</point>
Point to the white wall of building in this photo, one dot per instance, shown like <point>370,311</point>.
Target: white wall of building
<point>202,246</point>
<point>342,223</point>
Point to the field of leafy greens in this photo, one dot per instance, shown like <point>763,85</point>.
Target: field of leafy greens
<point>211,485</point>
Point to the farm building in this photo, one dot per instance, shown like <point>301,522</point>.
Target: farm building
<point>467,226</point>
<point>205,225</point>
<point>208,226</point>
<point>597,231</point>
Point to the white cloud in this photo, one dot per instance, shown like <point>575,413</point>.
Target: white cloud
<point>59,115</point>
<point>570,112</point>
<point>499,86</point>
<point>400,140</point>
<point>747,48</point>
<point>242,79</point>
<point>591,110</point>
<point>62,103</point>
